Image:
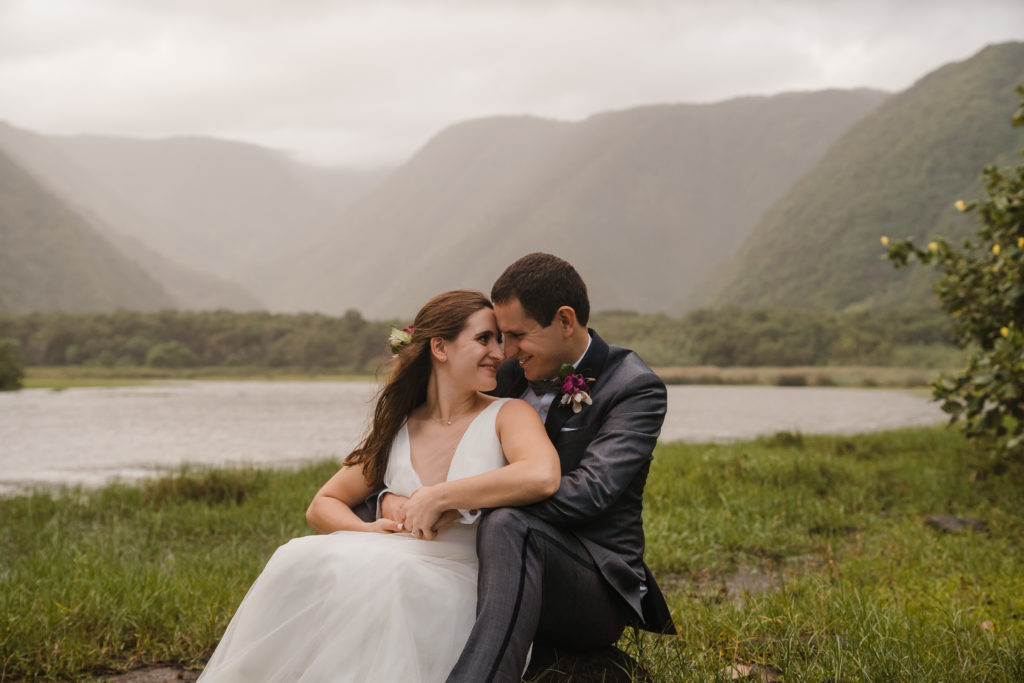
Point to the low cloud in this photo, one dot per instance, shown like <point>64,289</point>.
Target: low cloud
<point>367,83</point>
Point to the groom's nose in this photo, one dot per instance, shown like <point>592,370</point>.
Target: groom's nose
<point>511,348</point>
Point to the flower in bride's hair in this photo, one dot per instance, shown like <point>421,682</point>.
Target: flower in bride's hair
<point>399,339</point>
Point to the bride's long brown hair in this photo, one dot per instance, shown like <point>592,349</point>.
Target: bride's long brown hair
<point>443,316</point>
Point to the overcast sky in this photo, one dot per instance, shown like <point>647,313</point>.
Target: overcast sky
<point>362,83</point>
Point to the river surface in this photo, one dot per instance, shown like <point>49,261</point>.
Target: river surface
<point>90,435</point>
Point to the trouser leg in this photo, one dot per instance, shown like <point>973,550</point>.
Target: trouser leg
<point>535,579</point>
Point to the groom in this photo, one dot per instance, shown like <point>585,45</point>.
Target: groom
<point>568,571</point>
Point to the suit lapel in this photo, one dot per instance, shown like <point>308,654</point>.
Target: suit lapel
<point>591,366</point>
<point>511,381</point>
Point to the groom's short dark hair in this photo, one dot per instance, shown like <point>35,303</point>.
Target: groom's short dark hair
<point>543,283</point>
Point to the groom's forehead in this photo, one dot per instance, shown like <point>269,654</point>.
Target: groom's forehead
<point>512,317</point>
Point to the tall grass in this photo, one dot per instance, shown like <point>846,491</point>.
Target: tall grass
<point>858,587</point>
<point>866,591</point>
<point>94,581</point>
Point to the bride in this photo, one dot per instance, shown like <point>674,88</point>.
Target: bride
<point>395,600</point>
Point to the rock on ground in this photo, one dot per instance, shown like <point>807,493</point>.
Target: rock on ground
<point>606,665</point>
<point>952,523</point>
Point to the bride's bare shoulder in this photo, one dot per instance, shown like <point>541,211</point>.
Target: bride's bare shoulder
<point>516,411</point>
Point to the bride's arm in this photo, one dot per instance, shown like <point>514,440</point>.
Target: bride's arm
<point>532,474</point>
<point>331,509</point>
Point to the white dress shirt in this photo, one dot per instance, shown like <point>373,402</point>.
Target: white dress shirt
<point>542,404</point>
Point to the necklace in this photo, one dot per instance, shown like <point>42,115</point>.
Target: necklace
<point>453,417</point>
<point>442,421</point>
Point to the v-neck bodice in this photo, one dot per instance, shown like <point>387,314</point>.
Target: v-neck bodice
<point>478,451</point>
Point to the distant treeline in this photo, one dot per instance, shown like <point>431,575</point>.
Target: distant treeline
<point>185,339</point>
<point>784,337</point>
<point>723,337</point>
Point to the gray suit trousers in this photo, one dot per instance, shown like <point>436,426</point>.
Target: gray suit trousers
<point>536,582</point>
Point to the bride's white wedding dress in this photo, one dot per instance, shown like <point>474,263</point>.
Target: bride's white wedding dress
<point>356,606</point>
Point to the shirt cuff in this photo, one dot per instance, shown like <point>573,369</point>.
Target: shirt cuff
<point>469,516</point>
<point>380,499</point>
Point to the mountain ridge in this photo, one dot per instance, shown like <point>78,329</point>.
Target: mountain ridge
<point>614,194</point>
<point>204,215</point>
<point>52,259</point>
<point>909,161</point>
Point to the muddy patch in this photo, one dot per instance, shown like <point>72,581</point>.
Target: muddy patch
<point>743,582</point>
<point>153,674</point>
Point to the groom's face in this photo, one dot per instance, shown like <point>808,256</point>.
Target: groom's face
<point>538,349</point>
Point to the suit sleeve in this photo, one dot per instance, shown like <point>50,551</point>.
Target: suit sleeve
<point>621,447</point>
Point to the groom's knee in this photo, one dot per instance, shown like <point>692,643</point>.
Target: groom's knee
<point>502,525</point>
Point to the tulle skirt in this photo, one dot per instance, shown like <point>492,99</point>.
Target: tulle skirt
<point>354,606</point>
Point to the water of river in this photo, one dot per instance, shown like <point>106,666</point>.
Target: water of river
<point>89,435</point>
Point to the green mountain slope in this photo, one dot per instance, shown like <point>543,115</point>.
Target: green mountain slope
<point>52,259</point>
<point>897,172</point>
<point>642,201</point>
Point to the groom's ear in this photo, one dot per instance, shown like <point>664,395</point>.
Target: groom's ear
<point>565,318</point>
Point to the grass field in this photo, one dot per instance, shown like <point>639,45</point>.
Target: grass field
<point>810,375</point>
<point>806,556</point>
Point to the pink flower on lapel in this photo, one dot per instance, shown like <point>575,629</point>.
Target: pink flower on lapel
<point>574,389</point>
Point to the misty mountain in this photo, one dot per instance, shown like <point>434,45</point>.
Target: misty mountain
<point>214,211</point>
<point>52,259</point>
<point>339,186</point>
<point>642,201</point>
<point>215,206</point>
<point>897,172</point>
<point>92,200</point>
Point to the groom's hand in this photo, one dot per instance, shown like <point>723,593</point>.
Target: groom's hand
<point>447,519</point>
<point>424,510</point>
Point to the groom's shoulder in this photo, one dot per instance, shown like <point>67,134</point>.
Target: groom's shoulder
<point>509,374</point>
<point>625,366</point>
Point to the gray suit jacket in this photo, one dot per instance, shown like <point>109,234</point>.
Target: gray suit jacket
<point>605,452</point>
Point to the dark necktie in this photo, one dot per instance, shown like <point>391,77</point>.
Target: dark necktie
<point>545,386</point>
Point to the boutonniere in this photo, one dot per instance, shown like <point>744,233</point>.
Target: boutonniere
<point>574,388</point>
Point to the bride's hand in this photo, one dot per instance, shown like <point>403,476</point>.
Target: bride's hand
<point>392,506</point>
<point>383,526</point>
<point>423,511</point>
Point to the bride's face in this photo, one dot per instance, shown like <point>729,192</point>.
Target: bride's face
<point>474,356</point>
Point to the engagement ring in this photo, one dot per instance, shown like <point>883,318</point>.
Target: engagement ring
<point>416,532</point>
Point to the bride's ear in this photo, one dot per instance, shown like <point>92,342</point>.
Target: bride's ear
<point>437,349</point>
